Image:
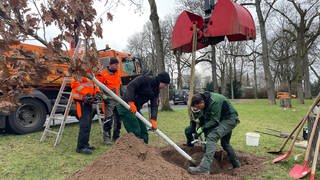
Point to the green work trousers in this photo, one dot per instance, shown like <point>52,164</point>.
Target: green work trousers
<point>223,132</point>
<point>132,124</point>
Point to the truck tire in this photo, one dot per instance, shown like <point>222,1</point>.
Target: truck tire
<point>29,117</point>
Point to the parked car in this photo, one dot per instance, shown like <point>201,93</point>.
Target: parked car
<point>181,96</point>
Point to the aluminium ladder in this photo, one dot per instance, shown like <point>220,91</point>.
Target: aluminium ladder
<point>63,94</point>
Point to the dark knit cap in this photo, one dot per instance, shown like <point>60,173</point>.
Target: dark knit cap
<point>163,77</point>
<point>114,61</point>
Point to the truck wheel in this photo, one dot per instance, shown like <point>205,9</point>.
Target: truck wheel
<point>29,117</point>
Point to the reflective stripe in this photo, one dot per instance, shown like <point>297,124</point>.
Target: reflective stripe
<point>87,84</point>
<point>84,85</point>
<point>79,88</point>
<point>77,96</point>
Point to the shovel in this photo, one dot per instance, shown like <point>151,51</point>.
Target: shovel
<point>315,159</point>
<point>299,171</point>
<point>280,135</point>
<point>316,101</point>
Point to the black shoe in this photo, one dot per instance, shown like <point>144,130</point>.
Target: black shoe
<point>92,148</point>
<point>198,170</point>
<point>84,151</point>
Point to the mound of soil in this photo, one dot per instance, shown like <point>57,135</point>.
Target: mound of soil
<point>131,159</point>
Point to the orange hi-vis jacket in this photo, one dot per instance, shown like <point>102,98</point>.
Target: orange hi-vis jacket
<point>111,80</point>
<point>82,88</point>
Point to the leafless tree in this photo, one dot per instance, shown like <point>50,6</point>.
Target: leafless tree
<point>154,18</point>
<point>305,23</point>
<point>262,18</point>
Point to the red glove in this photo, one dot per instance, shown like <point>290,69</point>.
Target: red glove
<point>154,124</point>
<point>133,107</point>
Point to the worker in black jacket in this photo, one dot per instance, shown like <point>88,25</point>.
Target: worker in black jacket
<point>142,89</point>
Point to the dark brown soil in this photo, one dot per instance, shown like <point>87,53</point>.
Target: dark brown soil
<point>131,159</point>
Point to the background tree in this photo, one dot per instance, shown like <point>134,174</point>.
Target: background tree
<point>154,18</point>
<point>305,30</point>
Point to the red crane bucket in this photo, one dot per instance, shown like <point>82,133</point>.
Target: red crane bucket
<point>231,20</point>
<point>183,31</point>
<point>227,19</point>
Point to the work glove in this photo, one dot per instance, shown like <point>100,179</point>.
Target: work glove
<point>199,131</point>
<point>101,95</point>
<point>154,124</point>
<point>133,107</point>
<point>88,98</point>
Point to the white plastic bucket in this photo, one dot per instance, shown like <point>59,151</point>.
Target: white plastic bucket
<point>252,139</point>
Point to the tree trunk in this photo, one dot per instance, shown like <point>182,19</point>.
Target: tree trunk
<point>223,80</point>
<point>154,18</point>
<point>255,79</point>
<point>178,61</point>
<point>299,65</point>
<point>214,69</point>
<point>193,64</point>
<point>307,84</point>
<point>265,55</point>
<point>231,81</point>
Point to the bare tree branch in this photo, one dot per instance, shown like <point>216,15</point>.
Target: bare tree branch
<point>269,10</point>
<point>284,15</point>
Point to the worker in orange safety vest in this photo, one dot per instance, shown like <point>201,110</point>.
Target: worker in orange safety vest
<point>84,93</point>
<point>110,76</point>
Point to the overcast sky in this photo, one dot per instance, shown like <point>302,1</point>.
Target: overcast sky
<point>126,22</point>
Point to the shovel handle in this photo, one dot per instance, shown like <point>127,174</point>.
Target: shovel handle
<point>315,158</point>
<point>314,127</point>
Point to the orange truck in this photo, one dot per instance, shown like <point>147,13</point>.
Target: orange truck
<point>31,115</point>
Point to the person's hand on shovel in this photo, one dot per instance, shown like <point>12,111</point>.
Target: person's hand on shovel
<point>154,124</point>
<point>133,107</point>
<point>198,133</point>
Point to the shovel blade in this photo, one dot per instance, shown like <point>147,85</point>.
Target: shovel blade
<point>299,171</point>
<point>280,158</point>
<point>275,152</point>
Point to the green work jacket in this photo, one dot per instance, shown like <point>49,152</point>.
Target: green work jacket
<point>217,108</point>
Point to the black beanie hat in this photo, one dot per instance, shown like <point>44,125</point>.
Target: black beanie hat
<point>114,61</point>
<point>163,77</point>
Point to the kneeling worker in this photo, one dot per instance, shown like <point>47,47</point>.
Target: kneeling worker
<point>139,91</point>
<point>217,117</point>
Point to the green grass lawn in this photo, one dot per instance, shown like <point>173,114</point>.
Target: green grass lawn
<point>23,157</point>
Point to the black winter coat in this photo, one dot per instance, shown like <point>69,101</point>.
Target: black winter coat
<point>143,89</point>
